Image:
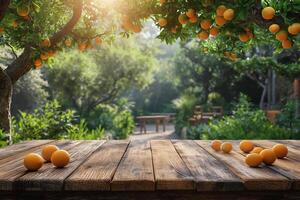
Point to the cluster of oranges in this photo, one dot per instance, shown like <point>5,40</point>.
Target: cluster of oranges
<point>281,34</point>
<point>256,155</point>
<point>128,25</point>
<point>50,153</point>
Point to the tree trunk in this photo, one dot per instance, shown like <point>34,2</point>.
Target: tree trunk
<point>297,96</point>
<point>5,103</point>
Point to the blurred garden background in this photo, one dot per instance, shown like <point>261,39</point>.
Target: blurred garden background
<point>98,93</point>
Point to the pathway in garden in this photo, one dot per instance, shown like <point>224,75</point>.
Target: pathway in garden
<point>152,135</point>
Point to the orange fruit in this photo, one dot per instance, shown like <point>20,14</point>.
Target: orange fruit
<point>33,161</point>
<point>253,159</point>
<point>287,44</point>
<point>136,28</point>
<point>193,19</point>
<point>44,56</point>
<point>47,151</point>
<point>216,145</point>
<point>294,29</point>
<point>98,40</point>
<point>60,158</point>
<point>274,28</point>
<point>233,56</point>
<point>191,13</point>
<point>174,30</point>
<point>46,42</point>
<point>220,10</point>
<point>214,31</point>
<point>246,146</point>
<point>205,24</point>
<point>268,13</point>
<point>227,54</point>
<point>203,35</point>
<point>23,11</point>
<point>268,156</point>
<point>127,25</point>
<point>82,46</point>
<point>220,21</point>
<point>38,63</point>
<point>228,14</point>
<point>182,19</point>
<point>68,42</point>
<point>226,147</point>
<point>15,24</point>
<point>51,53</point>
<point>244,37</point>
<point>257,150</point>
<point>250,34</point>
<point>162,22</point>
<point>280,150</point>
<point>282,35</point>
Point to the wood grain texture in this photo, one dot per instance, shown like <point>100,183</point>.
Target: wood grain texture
<point>11,152</point>
<point>170,171</point>
<point>254,178</point>
<point>14,168</point>
<point>21,147</point>
<point>50,178</point>
<point>135,171</point>
<point>210,174</point>
<point>96,173</point>
<point>289,167</point>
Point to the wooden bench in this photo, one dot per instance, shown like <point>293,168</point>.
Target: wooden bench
<point>158,169</point>
<point>156,118</point>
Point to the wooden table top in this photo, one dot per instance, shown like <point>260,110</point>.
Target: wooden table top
<point>155,165</point>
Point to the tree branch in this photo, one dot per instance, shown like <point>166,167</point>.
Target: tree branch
<point>3,8</point>
<point>77,10</point>
<point>12,50</point>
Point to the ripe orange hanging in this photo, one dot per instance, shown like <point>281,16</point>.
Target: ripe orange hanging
<point>274,28</point>
<point>243,37</point>
<point>268,13</point>
<point>205,24</point>
<point>182,19</point>
<point>282,36</point>
<point>191,13</point>
<point>287,44</point>
<point>294,29</point>
<point>220,21</point>
<point>214,31</point>
<point>162,22</point>
<point>228,14</point>
<point>220,10</point>
<point>203,35</point>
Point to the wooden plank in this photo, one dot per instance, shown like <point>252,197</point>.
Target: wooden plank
<point>170,171</point>
<point>254,178</point>
<point>14,168</point>
<point>97,171</point>
<point>135,172</point>
<point>293,143</point>
<point>289,167</point>
<point>209,173</point>
<point>21,148</point>
<point>50,178</point>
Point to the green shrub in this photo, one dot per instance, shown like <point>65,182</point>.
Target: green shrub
<point>81,132</point>
<point>246,122</point>
<point>3,138</point>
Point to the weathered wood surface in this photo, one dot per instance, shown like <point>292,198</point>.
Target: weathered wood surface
<point>116,167</point>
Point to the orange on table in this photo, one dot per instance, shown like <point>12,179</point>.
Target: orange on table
<point>280,150</point>
<point>214,31</point>
<point>33,161</point>
<point>282,36</point>
<point>268,156</point>
<point>294,28</point>
<point>220,20</point>
<point>216,145</point>
<point>253,159</point>
<point>205,24</point>
<point>47,151</point>
<point>287,44</point>
<point>257,150</point>
<point>246,146</point>
<point>220,10</point>
<point>226,147</point>
<point>60,158</point>
<point>274,28</point>
<point>162,22</point>
<point>203,35</point>
<point>228,14</point>
<point>268,13</point>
